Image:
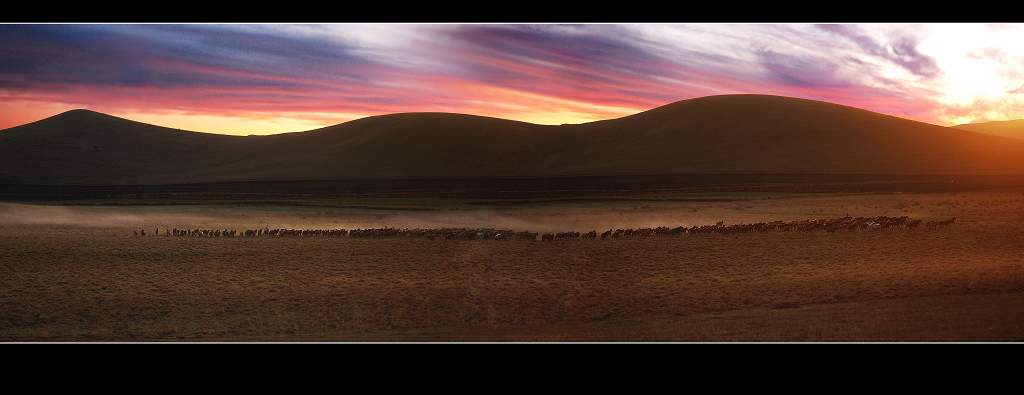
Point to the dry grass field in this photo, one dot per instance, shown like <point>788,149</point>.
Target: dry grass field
<point>77,273</point>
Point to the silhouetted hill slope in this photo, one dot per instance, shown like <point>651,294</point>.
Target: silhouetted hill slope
<point>86,147</point>
<point>1012,129</point>
<point>732,133</point>
<point>744,133</point>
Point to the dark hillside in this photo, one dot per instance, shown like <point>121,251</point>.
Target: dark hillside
<point>86,147</point>
<point>744,133</point>
<point>717,134</point>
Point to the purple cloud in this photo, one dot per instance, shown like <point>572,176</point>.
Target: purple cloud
<point>901,50</point>
<point>164,56</point>
<point>790,70</point>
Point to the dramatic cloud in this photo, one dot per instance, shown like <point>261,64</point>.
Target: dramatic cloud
<point>305,76</point>
<point>794,71</point>
<point>900,50</point>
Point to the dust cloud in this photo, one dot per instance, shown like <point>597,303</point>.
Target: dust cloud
<point>564,218</point>
<point>29,214</point>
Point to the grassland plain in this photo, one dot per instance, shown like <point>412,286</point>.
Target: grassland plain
<point>78,273</point>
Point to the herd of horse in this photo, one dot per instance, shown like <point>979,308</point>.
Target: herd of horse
<point>832,225</point>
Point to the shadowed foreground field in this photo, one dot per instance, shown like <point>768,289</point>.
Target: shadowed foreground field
<point>78,274</point>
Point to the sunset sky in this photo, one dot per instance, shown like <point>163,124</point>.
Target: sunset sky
<point>262,79</point>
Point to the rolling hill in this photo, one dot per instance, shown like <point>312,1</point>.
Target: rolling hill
<point>729,133</point>
<point>1012,129</point>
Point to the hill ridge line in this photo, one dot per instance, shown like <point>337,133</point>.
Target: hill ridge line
<point>714,134</point>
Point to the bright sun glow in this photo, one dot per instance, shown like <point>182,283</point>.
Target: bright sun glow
<point>982,70</point>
